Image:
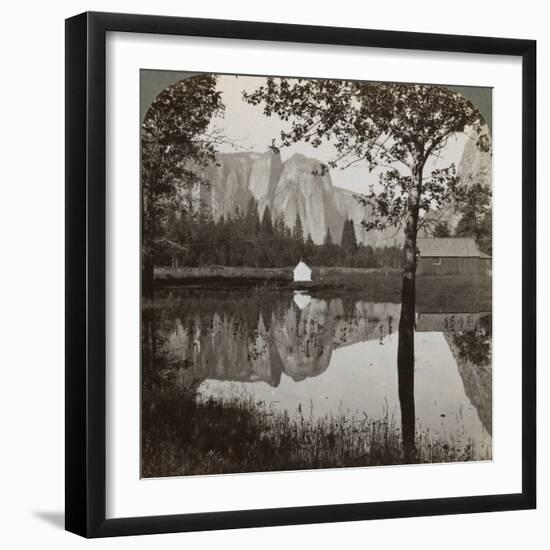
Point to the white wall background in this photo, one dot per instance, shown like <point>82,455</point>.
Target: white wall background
<point>32,285</point>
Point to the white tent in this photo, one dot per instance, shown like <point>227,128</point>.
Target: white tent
<point>302,272</point>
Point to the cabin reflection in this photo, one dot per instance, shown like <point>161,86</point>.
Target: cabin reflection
<point>285,338</point>
<point>448,322</point>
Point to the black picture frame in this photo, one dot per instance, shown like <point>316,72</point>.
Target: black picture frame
<point>86,263</point>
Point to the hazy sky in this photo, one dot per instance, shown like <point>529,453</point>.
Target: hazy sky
<point>252,131</point>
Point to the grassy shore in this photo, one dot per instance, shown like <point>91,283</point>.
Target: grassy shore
<point>184,434</point>
<point>322,276</point>
<point>434,293</point>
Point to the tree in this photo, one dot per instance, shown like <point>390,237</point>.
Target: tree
<point>266,225</point>
<point>309,248</point>
<point>398,127</point>
<point>474,205</point>
<point>252,218</point>
<point>475,345</point>
<point>441,230</point>
<point>328,242</point>
<point>349,240</point>
<point>298,230</point>
<point>329,251</point>
<point>175,140</point>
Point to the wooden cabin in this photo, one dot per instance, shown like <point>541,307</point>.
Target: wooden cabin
<point>448,256</point>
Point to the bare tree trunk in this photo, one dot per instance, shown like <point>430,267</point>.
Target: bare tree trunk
<point>405,353</point>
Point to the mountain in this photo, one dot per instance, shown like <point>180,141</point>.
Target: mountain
<point>295,186</point>
<point>475,166</point>
<point>298,186</point>
<point>303,190</point>
<point>235,178</point>
<point>349,208</point>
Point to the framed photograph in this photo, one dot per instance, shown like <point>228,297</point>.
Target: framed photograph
<point>300,274</point>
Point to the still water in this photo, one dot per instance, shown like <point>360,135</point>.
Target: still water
<point>316,356</point>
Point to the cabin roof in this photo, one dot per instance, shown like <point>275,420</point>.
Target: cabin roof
<point>301,264</point>
<point>452,247</point>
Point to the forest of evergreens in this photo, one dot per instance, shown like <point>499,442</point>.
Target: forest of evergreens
<point>246,239</point>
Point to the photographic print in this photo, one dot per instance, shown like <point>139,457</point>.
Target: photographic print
<point>316,273</point>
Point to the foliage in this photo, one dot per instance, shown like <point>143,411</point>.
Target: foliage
<point>441,230</point>
<point>174,140</point>
<point>349,240</point>
<point>395,126</point>
<point>474,205</point>
<point>475,346</point>
<point>248,240</point>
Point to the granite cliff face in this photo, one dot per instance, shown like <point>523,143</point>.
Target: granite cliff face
<point>475,166</point>
<point>301,191</point>
<point>235,178</point>
<point>295,186</point>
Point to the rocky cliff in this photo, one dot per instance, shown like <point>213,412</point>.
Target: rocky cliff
<point>297,186</point>
<point>475,166</point>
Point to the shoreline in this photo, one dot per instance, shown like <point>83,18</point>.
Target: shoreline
<point>264,273</point>
<point>323,277</point>
<point>459,293</point>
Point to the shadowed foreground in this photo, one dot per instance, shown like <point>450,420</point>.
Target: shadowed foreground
<point>184,434</point>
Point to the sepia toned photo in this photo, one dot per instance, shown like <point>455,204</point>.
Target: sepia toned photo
<point>316,273</point>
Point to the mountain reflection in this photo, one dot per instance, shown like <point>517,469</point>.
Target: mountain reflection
<point>263,342</point>
<point>328,355</point>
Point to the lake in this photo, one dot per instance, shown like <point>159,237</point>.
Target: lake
<point>312,360</point>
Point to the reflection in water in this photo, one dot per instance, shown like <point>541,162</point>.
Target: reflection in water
<point>299,355</point>
<point>301,299</point>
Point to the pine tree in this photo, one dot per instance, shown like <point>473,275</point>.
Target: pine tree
<point>252,219</point>
<point>328,238</point>
<point>309,249</point>
<point>349,240</point>
<point>298,230</point>
<point>266,225</point>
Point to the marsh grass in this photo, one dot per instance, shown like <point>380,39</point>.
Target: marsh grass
<point>186,434</point>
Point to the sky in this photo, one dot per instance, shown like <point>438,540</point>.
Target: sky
<point>246,126</point>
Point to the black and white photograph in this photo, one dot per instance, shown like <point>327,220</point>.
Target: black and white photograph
<point>274,275</point>
<point>316,273</point>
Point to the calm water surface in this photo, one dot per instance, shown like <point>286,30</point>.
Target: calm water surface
<point>316,356</point>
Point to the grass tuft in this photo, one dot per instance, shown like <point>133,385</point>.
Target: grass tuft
<point>185,434</point>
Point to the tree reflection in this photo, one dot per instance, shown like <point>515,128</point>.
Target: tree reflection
<point>472,350</point>
<point>475,345</point>
<point>189,337</point>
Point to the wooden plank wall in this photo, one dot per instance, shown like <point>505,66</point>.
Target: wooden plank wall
<point>462,266</point>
